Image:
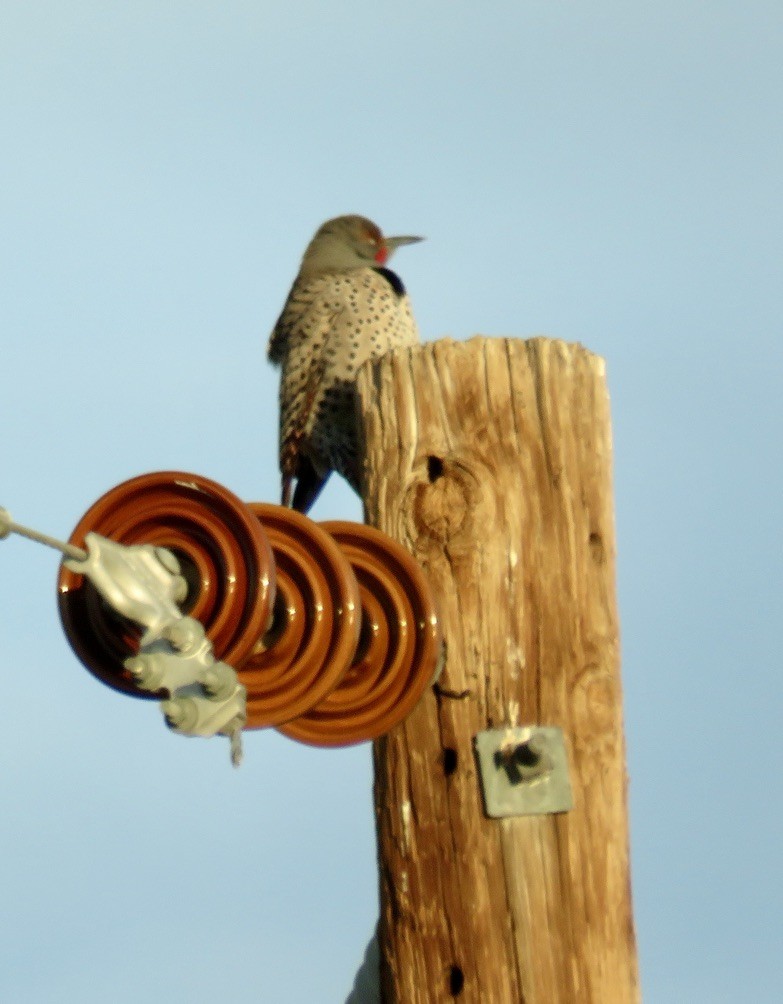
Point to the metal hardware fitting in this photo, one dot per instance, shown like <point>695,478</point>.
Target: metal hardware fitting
<point>524,771</point>
<point>143,583</point>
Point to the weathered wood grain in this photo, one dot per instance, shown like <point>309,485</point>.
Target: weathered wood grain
<point>490,460</point>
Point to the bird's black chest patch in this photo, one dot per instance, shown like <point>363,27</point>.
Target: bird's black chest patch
<point>393,280</point>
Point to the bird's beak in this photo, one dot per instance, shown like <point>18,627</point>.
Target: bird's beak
<point>392,243</point>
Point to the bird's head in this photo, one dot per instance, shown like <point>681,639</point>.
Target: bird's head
<point>349,242</point>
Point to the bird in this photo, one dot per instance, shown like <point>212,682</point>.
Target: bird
<point>344,308</point>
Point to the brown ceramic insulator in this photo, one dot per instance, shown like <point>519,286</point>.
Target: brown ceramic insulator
<point>315,632</point>
<point>399,648</point>
<point>223,552</point>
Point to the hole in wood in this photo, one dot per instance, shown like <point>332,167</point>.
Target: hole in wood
<point>434,468</point>
<point>449,761</point>
<point>456,981</point>
<point>596,543</point>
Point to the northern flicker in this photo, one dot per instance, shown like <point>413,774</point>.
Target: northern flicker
<point>344,307</point>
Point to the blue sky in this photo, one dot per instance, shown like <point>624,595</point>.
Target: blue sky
<point>608,173</point>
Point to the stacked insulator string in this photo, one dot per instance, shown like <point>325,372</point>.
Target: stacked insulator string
<point>331,628</point>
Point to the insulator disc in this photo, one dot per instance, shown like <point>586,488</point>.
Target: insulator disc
<point>399,648</point>
<point>223,553</point>
<point>315,631</point>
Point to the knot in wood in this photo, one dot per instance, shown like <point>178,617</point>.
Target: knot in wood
<point>595,703</point>
<point>447,502</point>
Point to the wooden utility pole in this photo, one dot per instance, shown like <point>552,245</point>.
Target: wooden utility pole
<point>490,460</point>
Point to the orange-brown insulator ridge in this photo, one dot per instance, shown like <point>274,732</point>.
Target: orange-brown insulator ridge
<point>315,632</point>
<point>399,650</point>
<point>223,552</point>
